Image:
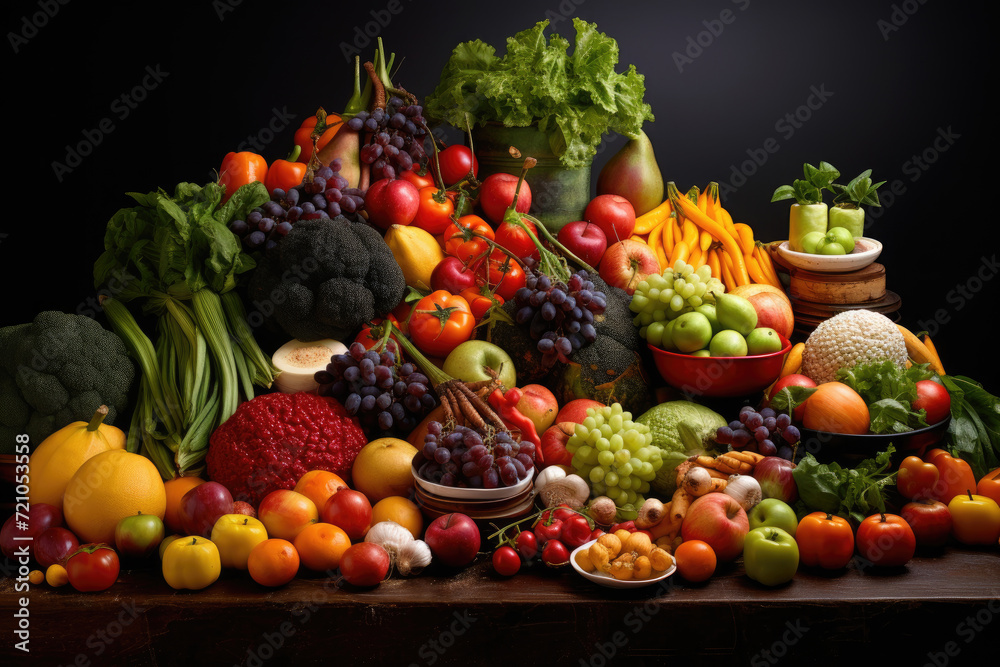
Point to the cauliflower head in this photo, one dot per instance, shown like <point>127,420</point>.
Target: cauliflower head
<point>850,338</point>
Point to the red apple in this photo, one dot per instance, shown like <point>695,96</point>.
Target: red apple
<point>774,309</point>
<point>453,539</point>
<point>792,380</point>
<point>41,517</point>
<point>539,405</point>
<point>351,511</point>
<point>53,545</point>
<point>452,275</point>
<point>243,507</point>
<point>627,263</point>
<point>554,440</point>
<point>139,535</point>
<point>285,513</point>
<point>930,521</point>
<point>613,214</point>
<point>720,521</point>
<point>584,239</point>
<point>497,193</point>
<point>202,506</point>
<point>775,476</point>
<point>576,410</point>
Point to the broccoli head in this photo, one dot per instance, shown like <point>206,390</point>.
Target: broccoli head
<point>327,278</point>
<point>57,370</point>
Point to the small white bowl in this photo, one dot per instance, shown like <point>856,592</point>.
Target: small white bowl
<point>866,251</point>
<point>609,581</point>
<point>459,493</point>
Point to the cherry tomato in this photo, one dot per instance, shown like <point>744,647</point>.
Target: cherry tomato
<point>391,202</point>
<point>527,544</point>
<point>555,553</point>
<point>596,533</point>
<point>514,238</point>
<point>934,398</point>
<point>548,529</point>
<point>435,209</point>
<point>467,250</point>
<point>886,540</point>
<point>576,531</point>
<point>624,525</point>
<point>92,567</point>
<point>418,175</point>
<point>825,540</point>
<point>480,300</point>
<point>440,322</point>
<point>503,274</point>
<point>370,340</point>
<point>506,561</point>
<point>456,161</point>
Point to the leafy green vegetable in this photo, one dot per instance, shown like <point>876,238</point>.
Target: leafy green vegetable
<point>574,97</point>
<point>849,492</point>
<point>790,397</point>
<point>889,391</point>
<point>809,190</point>
<point>974,431</point>
<point>861,190</point>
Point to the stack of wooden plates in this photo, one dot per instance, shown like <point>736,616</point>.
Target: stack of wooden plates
<point>482,505</point>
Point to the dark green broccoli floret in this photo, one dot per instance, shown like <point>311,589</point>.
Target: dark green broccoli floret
<point>59,369</point>
<point>327,278</point>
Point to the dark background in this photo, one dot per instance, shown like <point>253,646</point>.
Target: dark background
<point>902,80</point>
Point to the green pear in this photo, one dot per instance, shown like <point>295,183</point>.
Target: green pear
<point>735,312</point>
<point>632,172</point>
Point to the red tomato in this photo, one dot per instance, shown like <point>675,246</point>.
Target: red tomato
<point>434,211</point>
<point>456,161</point>
<point>624,525</point>
<point>825,540</point>
<point>548,529</point>
<point>576,531</point>
<point>934,398</point>
<point>480,300</point>
<point>503,274</point>
<point>414,175</point>
<point>514,238</point>
<point>349,510</point>
<point>370,340</point>
<point>467,250</point>
<point>365,564</point>
<point>886,540</point>
<point>92,567</point>
<point>792,380</point>
<point>555,553</point>
<point>506,561</point>
<point>497,194</point>
<point>440,322</point>
<point>915,478</point>
<point>391,202</point>
<point>527,544</point>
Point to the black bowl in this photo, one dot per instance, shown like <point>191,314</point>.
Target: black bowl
<point>849,449</point>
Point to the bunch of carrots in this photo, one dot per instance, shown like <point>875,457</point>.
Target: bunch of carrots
<point>695,228</point>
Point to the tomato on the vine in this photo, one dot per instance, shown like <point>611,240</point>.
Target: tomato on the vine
<point>503,274</point>
<point>886,539</point>
<point>434,210</point>
<point>513,237</point>
<point>576,531</point>
<point>440,321</point>
<point>92,567</point>
<point>527,544</point>
<point>370,340</point>
<point>467,249</point>
<point>456,161</point>
<point>418,175</point>
<point>506,561</point>
<point>547,528</point>
<point>480,300</point>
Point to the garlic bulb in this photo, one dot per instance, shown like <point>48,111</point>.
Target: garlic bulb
<point>547,475</point>
<point>408,555</point>
<point>745,490</point>
<point>413,557</point>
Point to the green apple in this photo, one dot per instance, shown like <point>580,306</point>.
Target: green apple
<point>770,555</point>
<point>843,236</point>
<point>139,534</point>
<point>708,310</point>
<point>467,360</point>
<point>691,331</point>
<point>776,513</point>
<point>763,340</point>
<point>728,343</point>
<point>667,340</point>
<point>827,247</point>
<point>701,353</point>
<point>811,241</point>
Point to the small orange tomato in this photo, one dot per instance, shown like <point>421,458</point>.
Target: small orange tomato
<point>480,300</point>
<point>273,562</point>
<point>825,540</point>
<point>435,209</point>
<point>440,322</point>
<point>320,546</point>
<point>467,250</point>
<point>503,274</point>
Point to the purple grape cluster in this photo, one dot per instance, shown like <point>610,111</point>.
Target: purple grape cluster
<point>560,316</point>
<point>765,432</point>
<point>325,196</point>
<point>370,385</point>
<point>464,457</point>
<point>397,137</point>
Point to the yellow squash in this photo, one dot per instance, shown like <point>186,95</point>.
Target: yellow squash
<point>416,251</point>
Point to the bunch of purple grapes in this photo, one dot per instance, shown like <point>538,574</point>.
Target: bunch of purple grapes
<point>370,386</point>
<point>560,316</point>
<point>325,196</point>
<point>397,137</point>
<point>765,432</point>
<point>464,457</point>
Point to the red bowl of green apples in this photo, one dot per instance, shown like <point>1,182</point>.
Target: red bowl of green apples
<point>720,376</point>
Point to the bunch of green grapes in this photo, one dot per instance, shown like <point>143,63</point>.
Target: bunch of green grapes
<point>678,290</point>
<point>615,455</point>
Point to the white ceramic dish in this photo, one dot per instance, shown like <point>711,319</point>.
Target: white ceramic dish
<point>458,493</point>
<point>866,251</point>
<point>611,582</point>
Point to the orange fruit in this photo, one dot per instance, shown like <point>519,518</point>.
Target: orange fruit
<point>695,560</point>
<point>273,562</point>
<point>319,485</point>
<point>401,510</point>
<point>175,489</point>
<point>320,546</point>
<point>109,487</point>
<point>383,468</point>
